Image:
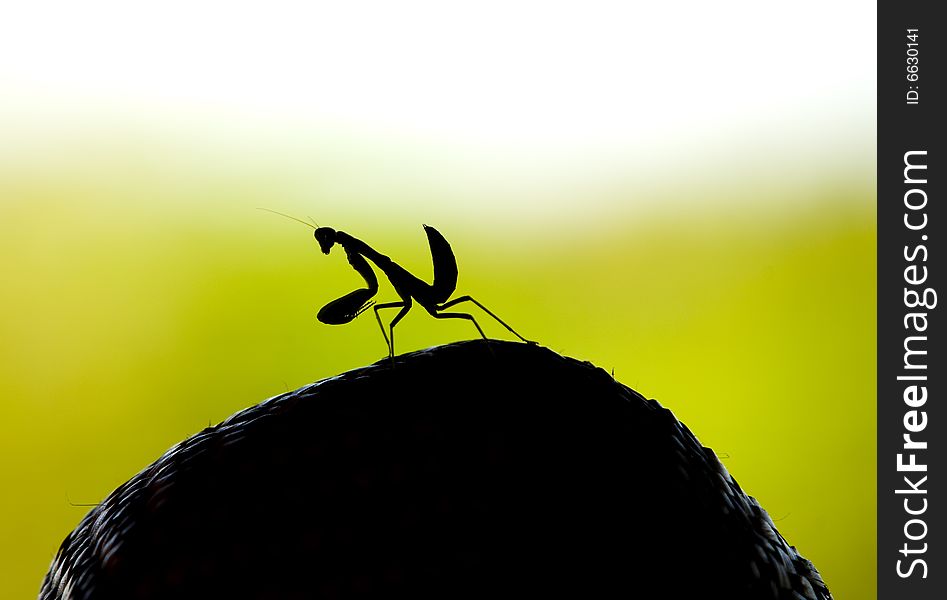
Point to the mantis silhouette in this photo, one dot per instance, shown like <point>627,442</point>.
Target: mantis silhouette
<point>434,298</point>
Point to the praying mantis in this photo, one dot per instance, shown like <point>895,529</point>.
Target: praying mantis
<point>434,297</point>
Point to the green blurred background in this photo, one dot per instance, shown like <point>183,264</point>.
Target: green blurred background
<point>728,271</point>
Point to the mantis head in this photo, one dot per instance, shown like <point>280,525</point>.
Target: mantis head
<point>326,238</point>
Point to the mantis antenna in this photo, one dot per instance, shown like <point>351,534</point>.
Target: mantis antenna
<point>313,225</point>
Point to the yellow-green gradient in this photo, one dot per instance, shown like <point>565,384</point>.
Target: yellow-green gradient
<point>144,297</point>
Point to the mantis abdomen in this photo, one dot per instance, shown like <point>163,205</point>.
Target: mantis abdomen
<point>445,266</point>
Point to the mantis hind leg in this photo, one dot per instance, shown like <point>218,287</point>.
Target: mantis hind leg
<point>461,316</point>
<point>485,309</point>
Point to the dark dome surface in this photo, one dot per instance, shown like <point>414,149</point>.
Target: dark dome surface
<point>474,470</point>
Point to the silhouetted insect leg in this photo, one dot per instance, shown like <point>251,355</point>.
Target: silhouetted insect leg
<point>390,336</point>
<point>486,310</point>
<point>364,308</point>
<point>391,350</point>
<point>391,328</point>
<point>470,318</point>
